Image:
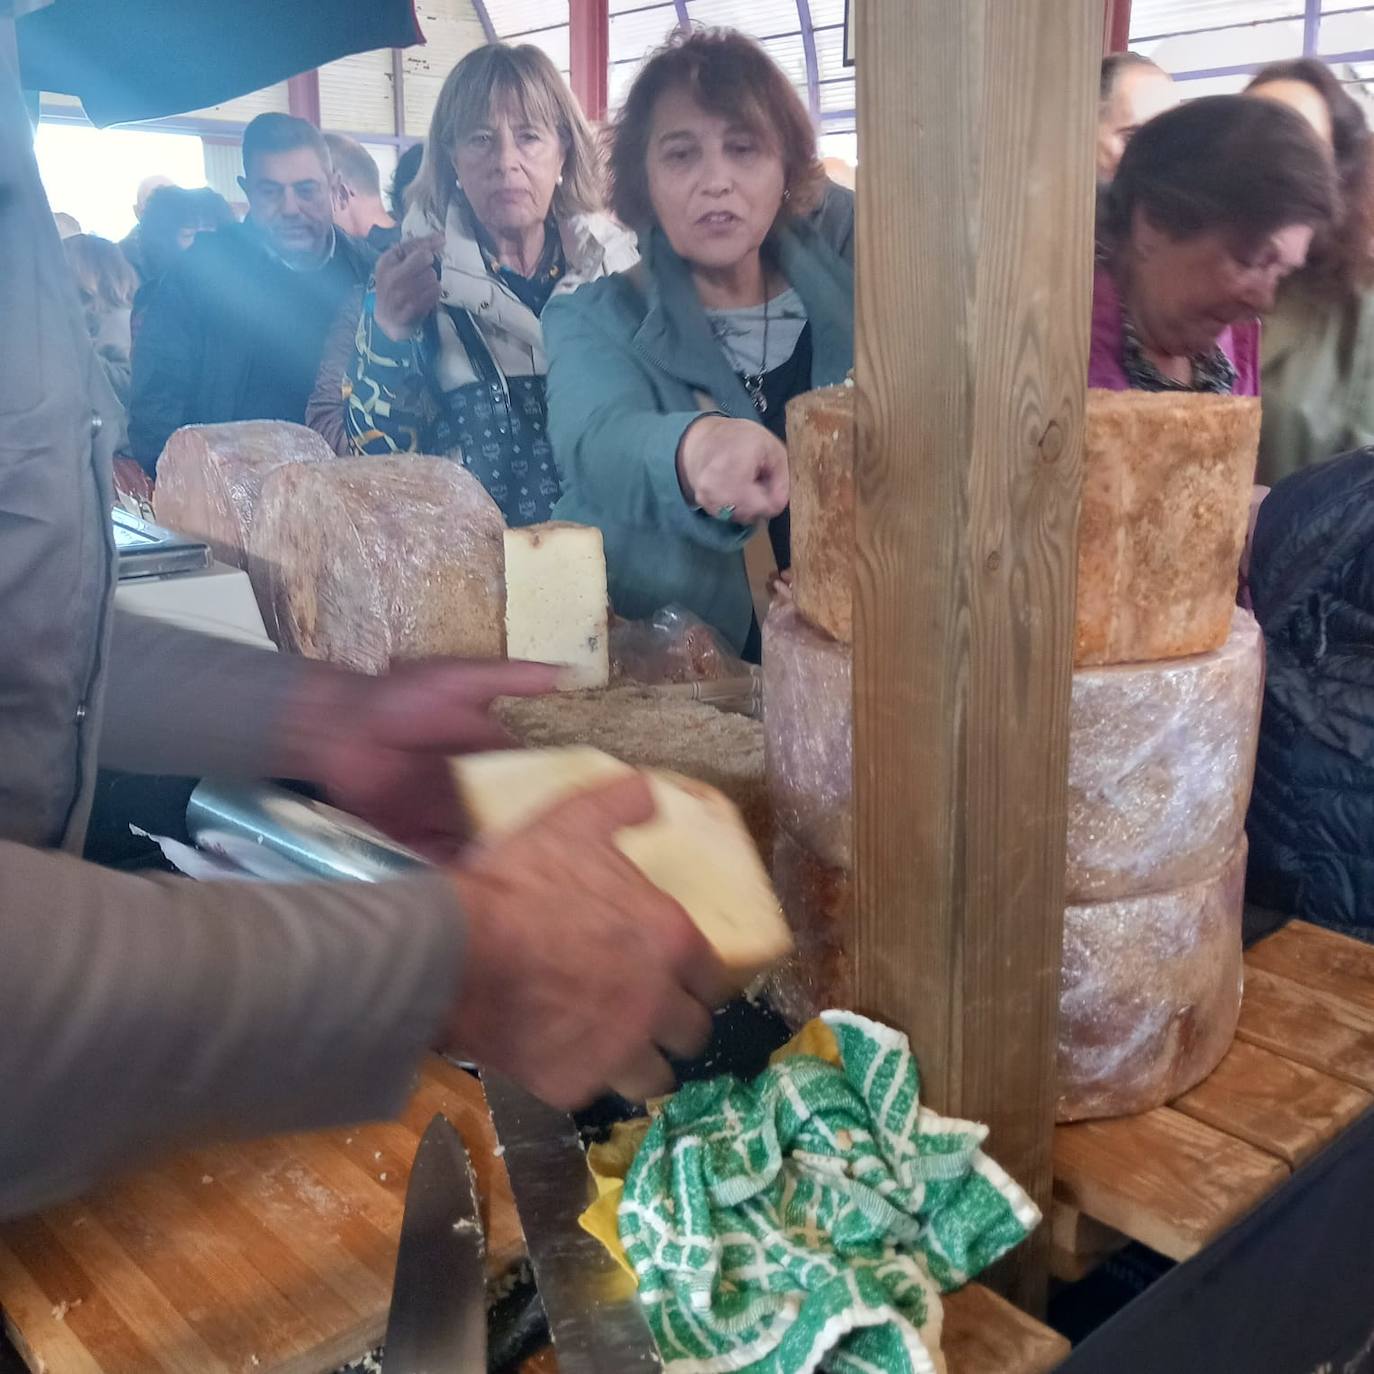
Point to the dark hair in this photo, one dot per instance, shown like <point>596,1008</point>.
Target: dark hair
<point>729,75</point>
<point>171,209</point>
<point>1222,162</point>
<point>1116,63</point>
<point>1342,259</point>
<point>281,133</point>
<point>407,169</point>
<point>354,163</point>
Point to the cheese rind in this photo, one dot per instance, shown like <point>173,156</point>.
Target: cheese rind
<point>650,730</point>
<point>1149,994</point>
<point>367,562</point>
<point>1161,759</point>
<point>695,849</point>
<point>808,734</point>
<point>1165,505</point>
<point>557,606</point>
<point>820,449</point>
<point>209,478</point>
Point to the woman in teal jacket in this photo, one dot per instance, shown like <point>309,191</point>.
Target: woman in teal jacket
<point>668,383</point>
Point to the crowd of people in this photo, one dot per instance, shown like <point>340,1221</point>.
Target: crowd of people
<point>603,330</point>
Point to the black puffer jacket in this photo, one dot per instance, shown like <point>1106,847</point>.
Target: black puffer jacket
<point>1311,821</point>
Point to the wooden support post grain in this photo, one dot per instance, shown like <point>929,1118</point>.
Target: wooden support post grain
<point>974,278</point>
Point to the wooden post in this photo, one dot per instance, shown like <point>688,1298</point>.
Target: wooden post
<point>975,257</point>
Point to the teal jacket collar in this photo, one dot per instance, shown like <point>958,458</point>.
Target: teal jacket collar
<point>676,336</point>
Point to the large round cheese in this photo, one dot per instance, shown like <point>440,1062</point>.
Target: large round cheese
<point>209,478</point>
<point>1161,759</point>
<point>1149,994</point>
<point>371,561</point>
<point>808,733</point>
<point>820,451</point>
<point>1165,506</point>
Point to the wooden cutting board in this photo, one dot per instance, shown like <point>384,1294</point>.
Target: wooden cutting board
<point>267,1257</point>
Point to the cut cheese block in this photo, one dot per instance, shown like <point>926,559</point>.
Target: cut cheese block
<point>209,478</point>
<point>652,730</point>
<point>818,901</point>
<point>808,734</point>
<point>1149,994</point>
<point>820,453</point>
<point>695,849</point>
<point>1161,758</point>
<point>1166,500</point>
<point>557,607</point>
<point>368,562</point>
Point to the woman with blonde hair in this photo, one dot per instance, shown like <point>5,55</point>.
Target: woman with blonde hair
<point>106,284</point>
<point>504,214</point>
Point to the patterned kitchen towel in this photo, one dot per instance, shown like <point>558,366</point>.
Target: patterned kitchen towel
<point>810,1219</point>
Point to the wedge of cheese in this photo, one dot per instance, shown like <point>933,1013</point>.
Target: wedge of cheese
<point>557,606</point>
<point>696,848</point>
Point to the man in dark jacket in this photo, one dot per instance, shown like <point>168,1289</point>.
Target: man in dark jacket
<point>236,330</point>
<point>1311,821</point>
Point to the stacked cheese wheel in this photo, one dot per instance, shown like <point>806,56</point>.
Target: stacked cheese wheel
<point>1164,718</point>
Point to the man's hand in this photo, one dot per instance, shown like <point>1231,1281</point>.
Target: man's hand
<point>733,469</point>
<point>407,286</point>
<point>380,746</point>
<point>578,973</point>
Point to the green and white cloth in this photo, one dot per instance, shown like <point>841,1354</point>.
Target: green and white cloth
<point>809,1220</point>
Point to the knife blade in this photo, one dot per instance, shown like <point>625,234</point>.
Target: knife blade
<point>594,1314</point>
<point>438,1318</point>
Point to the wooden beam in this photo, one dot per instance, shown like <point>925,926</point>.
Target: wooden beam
<point>975,255</point>
<point>589,49</point>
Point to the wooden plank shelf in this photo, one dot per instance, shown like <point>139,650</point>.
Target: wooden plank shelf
<point>1300,1072</point>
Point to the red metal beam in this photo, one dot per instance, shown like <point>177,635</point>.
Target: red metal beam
<point>1117,31</point>
<point>303,96</point>
<point>589,49</point>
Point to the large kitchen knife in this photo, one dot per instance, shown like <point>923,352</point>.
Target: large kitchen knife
<point>594,1314</point>
<point>438,1320</point>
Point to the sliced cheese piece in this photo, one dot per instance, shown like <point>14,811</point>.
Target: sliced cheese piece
<point>209,478</point>
<point>557,606</point>
<point>696,848</point>
<point>1149,994</point>
<point>368,562</point>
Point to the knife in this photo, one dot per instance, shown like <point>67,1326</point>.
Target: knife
<point>438,1319</point>
<point>595,1319</point>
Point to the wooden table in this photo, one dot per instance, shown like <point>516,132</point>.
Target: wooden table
<point>1300,1071</point>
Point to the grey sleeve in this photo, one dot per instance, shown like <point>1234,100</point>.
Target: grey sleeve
<point>143,1014</point>
<point>187,704</point>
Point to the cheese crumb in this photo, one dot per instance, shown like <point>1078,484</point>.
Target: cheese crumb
<point>207,1178</point>
<point>382,1177</point>
<point>60,1310</point>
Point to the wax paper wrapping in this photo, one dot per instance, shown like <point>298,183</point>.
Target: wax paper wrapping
<point>1161,759</point>
<point>1149,994</point>
<point>1165,506</point>
<point>820,452</point>
<point>808,733</point>
<point>368,562</point>
<point>672,646</point>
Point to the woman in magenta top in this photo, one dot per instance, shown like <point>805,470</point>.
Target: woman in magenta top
<point>1213,205</point>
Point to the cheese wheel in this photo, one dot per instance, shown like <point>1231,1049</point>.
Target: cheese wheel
<point>1166,500</point>
<point>557,607</point>
<point>1161,760</point>
<point>808,734</point>
<point>818,901</point>
<point>1149,994</point>
<point>650,730</point>
<point>368,562</point>
<point>1161,757</point>
<point>209,478</point>
<point>696,848</point>
<point>820,452</point>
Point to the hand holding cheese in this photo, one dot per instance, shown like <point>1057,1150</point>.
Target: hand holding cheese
<point>577,971</point>
<point>694,848</point>
<point>733,469</point>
